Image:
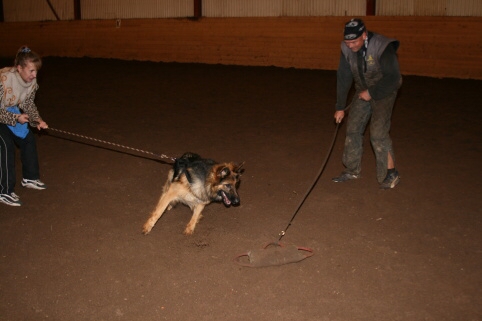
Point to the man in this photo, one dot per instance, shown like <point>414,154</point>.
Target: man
<point>369,60</point>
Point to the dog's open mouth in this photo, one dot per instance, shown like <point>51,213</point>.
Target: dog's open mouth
<point>225,198</point>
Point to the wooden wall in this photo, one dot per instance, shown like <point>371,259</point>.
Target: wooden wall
<point>430,46</point>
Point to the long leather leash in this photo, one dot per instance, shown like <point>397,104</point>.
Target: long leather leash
<point>283,232</point>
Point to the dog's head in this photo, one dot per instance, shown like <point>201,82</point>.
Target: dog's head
<point>227,177</point>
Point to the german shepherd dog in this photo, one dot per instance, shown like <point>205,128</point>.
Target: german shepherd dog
<point>196,182</point>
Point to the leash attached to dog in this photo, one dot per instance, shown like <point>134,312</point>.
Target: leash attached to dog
<point>277,253</point>
<point>272,253</point>
<point>112,144</point>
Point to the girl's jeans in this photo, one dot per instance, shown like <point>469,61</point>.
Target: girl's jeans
<point>28,155</point>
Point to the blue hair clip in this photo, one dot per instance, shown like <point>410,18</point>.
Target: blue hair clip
<point>25,50</point>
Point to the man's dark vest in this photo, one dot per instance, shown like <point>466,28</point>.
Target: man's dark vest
<point>376,46</point>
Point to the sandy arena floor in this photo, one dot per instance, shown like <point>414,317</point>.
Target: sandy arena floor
<point>75,251</point>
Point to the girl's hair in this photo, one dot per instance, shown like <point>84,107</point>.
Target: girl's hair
<point>25,55</point>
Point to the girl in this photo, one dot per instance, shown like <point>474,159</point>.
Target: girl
<point>18,85</point>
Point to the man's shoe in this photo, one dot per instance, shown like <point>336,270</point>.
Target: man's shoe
<point>15,196</point>
<point>344,177</point>
<point>10,200</point>
<point>391,180</point>
<point>33,183</point>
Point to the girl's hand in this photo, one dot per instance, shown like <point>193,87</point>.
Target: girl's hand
<point>42,125</point>
<point>22,118</point>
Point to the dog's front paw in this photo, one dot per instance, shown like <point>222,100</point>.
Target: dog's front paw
<point>146,229</point>
<point>188,231</point>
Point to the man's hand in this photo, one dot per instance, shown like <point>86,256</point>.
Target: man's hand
<point>339,114</point>
<point>364,95</point>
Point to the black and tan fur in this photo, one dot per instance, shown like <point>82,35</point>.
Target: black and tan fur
<point>196,182</point>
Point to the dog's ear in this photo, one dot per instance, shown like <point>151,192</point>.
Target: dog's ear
<point>239,168</point>
<point>224,172</point>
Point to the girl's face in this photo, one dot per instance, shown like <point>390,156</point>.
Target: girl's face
<point>28,73</point>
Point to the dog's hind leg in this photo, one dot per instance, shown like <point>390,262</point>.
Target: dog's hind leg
<point>196,216</point>
<point>163,203</point>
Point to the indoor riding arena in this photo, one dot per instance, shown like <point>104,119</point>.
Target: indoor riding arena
<point>127,87</point>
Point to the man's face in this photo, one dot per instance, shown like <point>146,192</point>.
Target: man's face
<point>28,73</point>
<point>356,44</point>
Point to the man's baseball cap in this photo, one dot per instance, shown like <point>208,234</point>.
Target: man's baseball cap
<point>354,29</point>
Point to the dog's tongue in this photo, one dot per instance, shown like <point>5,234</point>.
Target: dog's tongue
<point>225,198</point>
